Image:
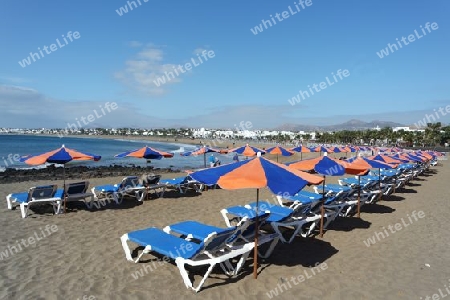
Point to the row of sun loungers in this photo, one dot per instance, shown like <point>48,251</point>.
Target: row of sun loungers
<point>131,186</point>
<point>50,194</point>
<point>192,244</point>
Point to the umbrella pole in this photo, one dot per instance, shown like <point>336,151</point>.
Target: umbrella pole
<point>64,186</point>
<point>322,209</point>
<point>379,183</point>
<point>359,196</point>
<point>277,157</point>
<point>204,159</point>
<point>255,253</point>
<point>301,155</point>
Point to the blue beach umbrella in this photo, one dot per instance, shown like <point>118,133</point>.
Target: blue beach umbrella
<point>202,151</point>
<point>62,156</point>
<point>279,150</point>
<point>327,166</point>
<point>257,173</point>
<point>369,163</point>
<point>247,151</point>
<point>145,152</point>
<point>302,149</point>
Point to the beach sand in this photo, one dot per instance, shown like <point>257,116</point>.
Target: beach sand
<point>84,256</point>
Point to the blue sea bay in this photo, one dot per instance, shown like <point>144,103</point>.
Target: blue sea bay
<point>14,146</point>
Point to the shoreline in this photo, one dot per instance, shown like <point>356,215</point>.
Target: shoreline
<point>51,173</point>
<point>215,143</point>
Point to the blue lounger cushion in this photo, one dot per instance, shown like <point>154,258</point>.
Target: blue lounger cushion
<point>164,243</point>
<point>107,188</point>
<point>20,197</point>
<point>23,196</point>
<point>337,187</point>
<point>310,195</point>
<point>241,212</point>
<point>174,181</point>
<point>198,230</point>
<point>302,199</point>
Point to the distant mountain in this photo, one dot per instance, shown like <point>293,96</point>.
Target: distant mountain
<point>353,124</point>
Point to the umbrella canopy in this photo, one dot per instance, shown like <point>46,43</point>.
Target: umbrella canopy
<point>387,159</point>
<point>368,163</point>
<point>328,165</point>
<point>350,149</point>
<point>278,150</point>
<point>257,173</point>
<point>393,163</point>
<point>325,165</point>
<point>145,152</point>
<point>301,149</point>
<point>62,156</point>
<point>429,155</point>
<point>405,157</point>
<point>202,151</point>
<point>247,150</point>
<point>335,150</point>
<point>320,149</point>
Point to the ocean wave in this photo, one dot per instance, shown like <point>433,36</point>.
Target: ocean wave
<point>3,169</point>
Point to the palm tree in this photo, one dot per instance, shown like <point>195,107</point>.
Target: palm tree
<point>432,132</point>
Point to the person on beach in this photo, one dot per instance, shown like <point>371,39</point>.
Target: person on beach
<point>212,161</point>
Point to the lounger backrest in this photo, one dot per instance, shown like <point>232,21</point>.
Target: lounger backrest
<point>130,181</point>
<point>77,188</point>
<point>248,225</point>
<point>149,179</point>
<point>216,242</point>
<point>42,192</point>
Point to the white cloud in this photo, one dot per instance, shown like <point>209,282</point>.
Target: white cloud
<point>25,107</point>
<point>141,72</point>
<point>28,108</point>
<point>134,44</point>
<point>14,80</point>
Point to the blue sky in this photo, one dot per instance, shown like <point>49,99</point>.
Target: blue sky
<point>250,78</point>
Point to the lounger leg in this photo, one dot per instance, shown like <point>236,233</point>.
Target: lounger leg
<point>162,192</point>
<point>57,207</point>
<point>225,217</point>
<point>241,262</point>
<point>90,203</point>
<point>118,197</point>
<point>181,266</point>
<point>93,192</point>
<point>271,247</point>
<point>126,249</point>
<point>23,210</point>
<point>184,274</point>
<point>228,268</point>
<point>9,201</point>
<point>311,229</point>
<point>140,195</point>
<point>297,227</point>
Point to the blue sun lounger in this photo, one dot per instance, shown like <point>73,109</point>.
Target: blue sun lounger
<point>244,232</point>
<point>280,217</point>
<point>77,191</point>
<point>183,184</point>
<point>36,195</point>
<point>213,250</point>
<point>129,186</point>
